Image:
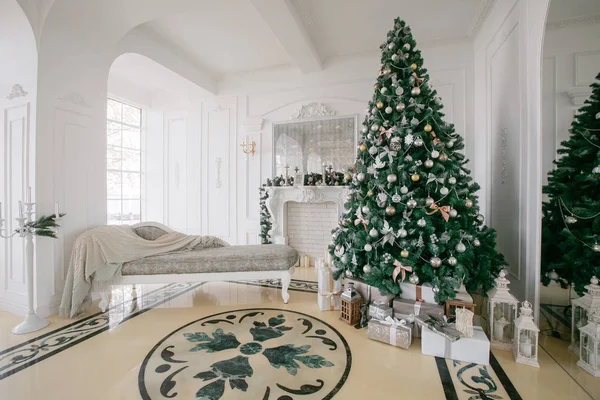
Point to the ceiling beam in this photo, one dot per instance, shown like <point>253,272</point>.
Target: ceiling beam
<point>144,41</point>
<point>285,23</point>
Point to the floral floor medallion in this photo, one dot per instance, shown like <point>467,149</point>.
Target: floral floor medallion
<point>262,353</point>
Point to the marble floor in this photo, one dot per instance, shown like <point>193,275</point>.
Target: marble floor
<point>134,352</point>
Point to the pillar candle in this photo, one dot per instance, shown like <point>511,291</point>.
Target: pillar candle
<point>307,261</point>
<point>28,194</point>
<point>20,209</point>
<point>498,330</point>
<point>525,347</point>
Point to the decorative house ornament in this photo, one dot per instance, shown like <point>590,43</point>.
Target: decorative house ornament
<point>16,91</point>
<point>313,110</point>
<point>502,313</point>
<point>351,302</point>
<point>525,345</point>
<point>581,307</point>
<point>589,350</point>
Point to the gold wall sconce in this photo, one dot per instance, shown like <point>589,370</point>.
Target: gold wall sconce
<point>248,147</point>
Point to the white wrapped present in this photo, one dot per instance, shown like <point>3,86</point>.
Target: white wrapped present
<point>422,292</point>
<point>330,290</point>
<point>475,349</point>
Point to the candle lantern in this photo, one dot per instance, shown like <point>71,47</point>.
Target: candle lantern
<point>502,312</point>
<point>589,344</point>
<point>525,346</point>
<point>580,309</point>
<point>351,301</point>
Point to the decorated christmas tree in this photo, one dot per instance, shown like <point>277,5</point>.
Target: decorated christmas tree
<point>571,216</point>
<point>412,210</point>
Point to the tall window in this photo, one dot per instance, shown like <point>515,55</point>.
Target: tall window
<point>124,163</point>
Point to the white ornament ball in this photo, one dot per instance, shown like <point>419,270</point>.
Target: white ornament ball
<point>480,218</point>
<point>367,269</point>
<point>402,233</point>
<point>403,190</point>
<point>429,201</point>
<point>364,129</point>
<point>389,110</point>
<point>453,213</point>
<point>435,262</point>
<point>412,203</point>
<point>368,247</point>
<point>596,247</point>
<point>360,176</point>
<point>408,158</point>
<point>452,180</point>
<point>406,47</point>
<point>460,247</point>
<point>452,261</point>
<point>374,233</point>
<point>372,150</point>
<point>374,127</point>
<point>435,154</point>
<point>450,144</point>
<point>400,106</point>
<point>366,209</point>
<point>418,142</point>
<point>415,91</point>
<point>391,178</point>
<point>400,92</point>
<point>421,222</point>
<point>428,163</point>
<point>414,279</point>
<point>391,45</point>
<point>383,90</point>
<point>444,191</point>
<point>476,243</point>
<point>394,57</point>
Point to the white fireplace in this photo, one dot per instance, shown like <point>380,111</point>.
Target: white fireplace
<point>318,201</point>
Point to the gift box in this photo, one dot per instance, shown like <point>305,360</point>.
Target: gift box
<point>380,310</point>
<point>369,293</point>
<point>408,309</point>
<point>328,296</point>
<point>422,292</point>
<point>391,331</point>
<point>475,349</point>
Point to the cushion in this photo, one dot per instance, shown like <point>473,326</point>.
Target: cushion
<point>270,257</point>
<point>149,232</point>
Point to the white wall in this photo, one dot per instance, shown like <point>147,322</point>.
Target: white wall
<point>251,102</point>
<point>17,144</point>
<point>507,160</point>
<point>570,64</point>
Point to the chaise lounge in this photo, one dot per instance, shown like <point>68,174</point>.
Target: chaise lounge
<point>231,263</point>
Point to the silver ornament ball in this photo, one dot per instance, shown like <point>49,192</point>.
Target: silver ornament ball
<point>414,279</point>
<point>391,178</point>
<point>365,129</point>
<point>402,233</point>
<point>367,269</point>
<point>418,142</point>
<point>476,243</point>
<point>361,176</point>
<point>372,150</point>
<point>450,144</point>
<point>428,163</point>
<point>596,247</point>
<point>373,233</point>
<point>412,203</point>
<point>400,106</point>
<point>383,90</point>
<point>368,247</point>
<point>453,213</point>
<point>421,222</point>
<point>391,45</point>
<point>460,247</point>
<point>435,262</point>
<point>435,154</point>
<point>429,201</point>
<point>435,289</point>
<point>406,47</point>
<point>468,203</point>
<point>349,274</point>
<point>389,110</point>
<point>480,218</point>
<point>415,91</point>
<point>400,92</point>
<point>389,210</point>
<point>366,209</point>
<point>570,219</point>
<point>403,190</point>
<point>452,261</point>
<point>452,180</point>
<point>374,127</point>
<point>444,191</point>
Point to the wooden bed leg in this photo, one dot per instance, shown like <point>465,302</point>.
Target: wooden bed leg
<point>286,278</point>
<point>104,300</point>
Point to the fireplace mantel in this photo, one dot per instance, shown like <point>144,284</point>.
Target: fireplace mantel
<point>280,195</point>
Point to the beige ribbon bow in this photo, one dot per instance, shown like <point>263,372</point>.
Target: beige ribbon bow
<point>444,210</point>
<point>400,269</point>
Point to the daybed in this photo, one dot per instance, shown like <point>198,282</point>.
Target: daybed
<point>231,263</point>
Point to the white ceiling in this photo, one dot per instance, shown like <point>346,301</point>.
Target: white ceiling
<point>341,27</point>
<point>564,10</point>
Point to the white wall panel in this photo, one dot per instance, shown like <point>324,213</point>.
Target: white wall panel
<point>176,173</point>
<point>218,170</point>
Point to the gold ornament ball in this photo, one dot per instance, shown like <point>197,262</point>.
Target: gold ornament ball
<point>400,107</point>
<point>390,210</point>
<point>370,193</point>
<point>404,253</point>
<point>468,203</point>
<point>380,105</point>
<point>414,66</point>
<point>443,157</point>
<point>428,128</point>
<point>415,177</point>
<point>347,176</point>
<point>363,147</point>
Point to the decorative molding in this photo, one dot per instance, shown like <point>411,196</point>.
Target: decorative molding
<point>313,110</point>
<point>16,91</point>
<point>218,183</point>
<point>253,124</point>
<point>504,145</point>
<point>76,99</point>
<point>580,62</point>
<point>568,23</point>
<point>485,7</point>
<point>579,95</point>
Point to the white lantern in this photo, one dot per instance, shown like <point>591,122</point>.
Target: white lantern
<point>525,345</point>
<point>502,312</point>
<point>589,344</point>
<point>580,309</point>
